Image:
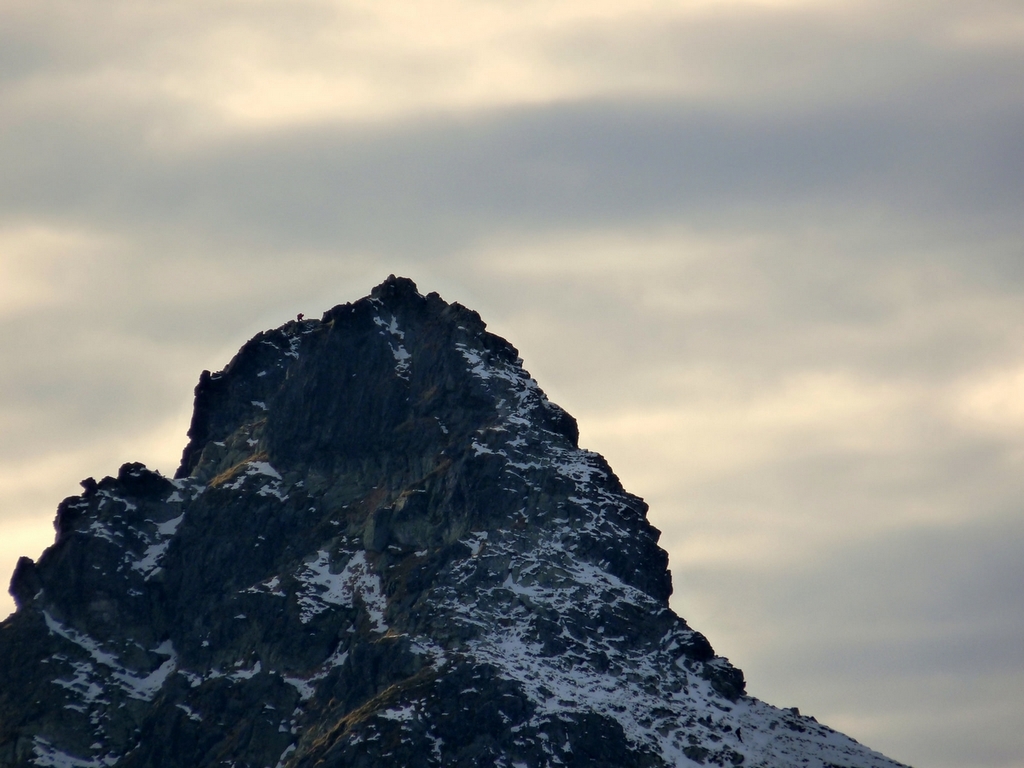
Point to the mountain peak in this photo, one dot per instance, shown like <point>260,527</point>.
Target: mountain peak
<point>383,546</point>
<point>395,288</point>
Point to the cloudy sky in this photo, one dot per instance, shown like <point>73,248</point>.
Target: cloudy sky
<point>770,253</point>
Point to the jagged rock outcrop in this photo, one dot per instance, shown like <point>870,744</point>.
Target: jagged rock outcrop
<point>383,547</point>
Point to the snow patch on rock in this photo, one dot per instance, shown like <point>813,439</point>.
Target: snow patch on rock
<point>321,588</point>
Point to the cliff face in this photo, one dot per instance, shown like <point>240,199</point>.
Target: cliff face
<point>383,547</point>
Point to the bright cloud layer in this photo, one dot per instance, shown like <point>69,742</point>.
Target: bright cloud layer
<point>230,65</point>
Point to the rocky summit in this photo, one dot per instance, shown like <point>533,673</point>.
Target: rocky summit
<point>383,547</point>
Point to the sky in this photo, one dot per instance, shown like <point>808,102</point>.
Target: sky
<point>769,253</point>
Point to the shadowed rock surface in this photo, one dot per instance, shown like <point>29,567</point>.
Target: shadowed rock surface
<point>383,547</point>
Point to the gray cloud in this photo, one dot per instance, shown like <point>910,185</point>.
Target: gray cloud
<point>429,186</point>
<point>918,608</point>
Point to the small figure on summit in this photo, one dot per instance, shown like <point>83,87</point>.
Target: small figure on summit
<point>299,317</point>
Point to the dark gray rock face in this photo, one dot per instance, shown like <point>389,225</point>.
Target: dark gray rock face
<point>383,547</point>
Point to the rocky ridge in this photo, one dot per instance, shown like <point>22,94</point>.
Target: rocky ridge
<point>383,547</point>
